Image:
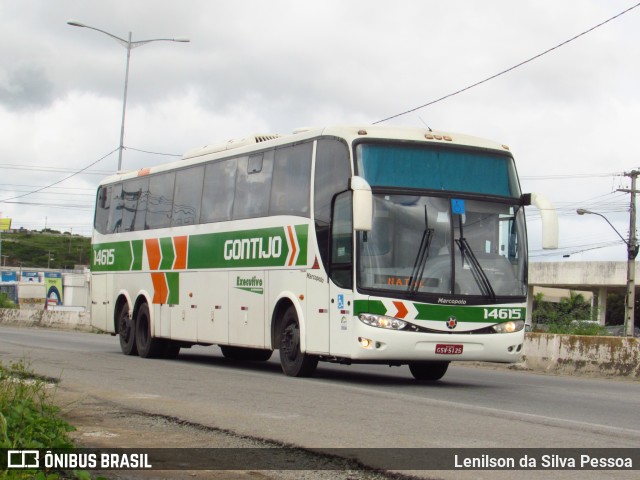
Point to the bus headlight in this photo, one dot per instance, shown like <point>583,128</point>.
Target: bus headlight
<point>382,321</point>
<point>509,327</point>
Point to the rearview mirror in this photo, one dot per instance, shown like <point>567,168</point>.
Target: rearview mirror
<point>549,221</point>
<point>362,204</point>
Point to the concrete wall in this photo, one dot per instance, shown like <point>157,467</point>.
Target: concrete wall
<point>548,353</point>
<point>31,317</point>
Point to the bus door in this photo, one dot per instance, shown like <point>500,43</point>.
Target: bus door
<point>341,275</point>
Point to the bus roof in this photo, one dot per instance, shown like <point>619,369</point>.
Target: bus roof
<point>253,143</point>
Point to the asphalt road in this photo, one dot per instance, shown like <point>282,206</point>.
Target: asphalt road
<point>347,406</point>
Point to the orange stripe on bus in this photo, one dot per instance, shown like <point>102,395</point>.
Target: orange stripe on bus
<point>153,253</point>
<point>160,289</point>
<point>293,246</point>
<point>180,244</point>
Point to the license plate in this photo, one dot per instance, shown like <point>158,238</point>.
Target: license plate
<point>449,349</point>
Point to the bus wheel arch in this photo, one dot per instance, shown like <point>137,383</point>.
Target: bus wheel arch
<point>282,305</point>
<point>294,361</point>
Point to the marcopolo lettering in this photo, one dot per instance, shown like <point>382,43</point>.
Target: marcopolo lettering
<point>253,248</point>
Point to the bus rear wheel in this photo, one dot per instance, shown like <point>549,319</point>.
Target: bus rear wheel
<point>126,331</point>
<point>428,371</point>
<point>294,362</point>
<point>148,347</point>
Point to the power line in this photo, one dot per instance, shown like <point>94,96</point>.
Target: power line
<point>153,153</point>
<point>6,200</point>
<point>50,204</point>
<point>41,168</point>
<point>569,176</point>
<point>535,57</point>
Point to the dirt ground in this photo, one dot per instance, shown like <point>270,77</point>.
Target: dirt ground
<point>104,424</point>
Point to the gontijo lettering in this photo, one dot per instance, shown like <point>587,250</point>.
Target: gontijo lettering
<point>253,248</point>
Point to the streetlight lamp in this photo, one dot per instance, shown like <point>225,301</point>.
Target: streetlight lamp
<point>632,253</point>
<point>129,45</point>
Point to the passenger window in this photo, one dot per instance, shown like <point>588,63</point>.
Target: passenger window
<point>160,203</point>
<point>135,194</point>
<point>103,205</point>
<point>218,191</point>
<point>253,188</point>
<point>117,206</point>
<point>187,196</point>
<point>291,179</point>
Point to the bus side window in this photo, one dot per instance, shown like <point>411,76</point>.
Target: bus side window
<point>160,203</point>
<point>218,191</point>
<point>187,196</point>
<point>135,194</point>
<point>291,179</point>
<point>115,216</point>
<point>253,186</point>
<point>102,208</point>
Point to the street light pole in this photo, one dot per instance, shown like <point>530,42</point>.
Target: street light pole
<point>632,252</point>
<point>129,45</point>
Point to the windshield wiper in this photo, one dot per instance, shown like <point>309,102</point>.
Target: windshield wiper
<point>476,269</point>
<point>421,258</point>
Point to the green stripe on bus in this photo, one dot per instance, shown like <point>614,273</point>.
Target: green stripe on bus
<point>264,247</point>
<point>136,250</point>
<point>302,232</point>
<point>173,282</point>
<point>483,314</point>
<point>168,254</point>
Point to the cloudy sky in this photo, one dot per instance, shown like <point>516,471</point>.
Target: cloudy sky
<point>571,116</point>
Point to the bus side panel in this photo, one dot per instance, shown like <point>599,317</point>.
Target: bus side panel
<point>184,315</point>
<point>317,306</point>
<point>246,308</point>
<point>211,294</point>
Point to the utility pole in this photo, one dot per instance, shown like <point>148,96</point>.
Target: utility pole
<point>632,252</point>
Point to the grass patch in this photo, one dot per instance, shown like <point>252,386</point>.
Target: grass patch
<point>29,419</point>
<point>5,301</point>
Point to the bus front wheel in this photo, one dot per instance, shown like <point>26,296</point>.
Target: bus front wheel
<point>148,347</point>
<point>127,331</point>
<point>294,362</point>
<point>428,371</point>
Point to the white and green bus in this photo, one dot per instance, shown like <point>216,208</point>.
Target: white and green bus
<point>368,244</point>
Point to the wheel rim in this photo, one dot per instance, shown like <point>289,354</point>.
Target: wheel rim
<point>291,341</point>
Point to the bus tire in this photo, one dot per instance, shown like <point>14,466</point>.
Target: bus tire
<point>148,347</point>
<point>294,362</point>
<point>126,331</point>
<point>246,354</point>
<point>428,371</point>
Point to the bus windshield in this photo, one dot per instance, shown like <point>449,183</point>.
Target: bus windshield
<point>431,245</point>
<point>447,221</point>
<point>427,167</point>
